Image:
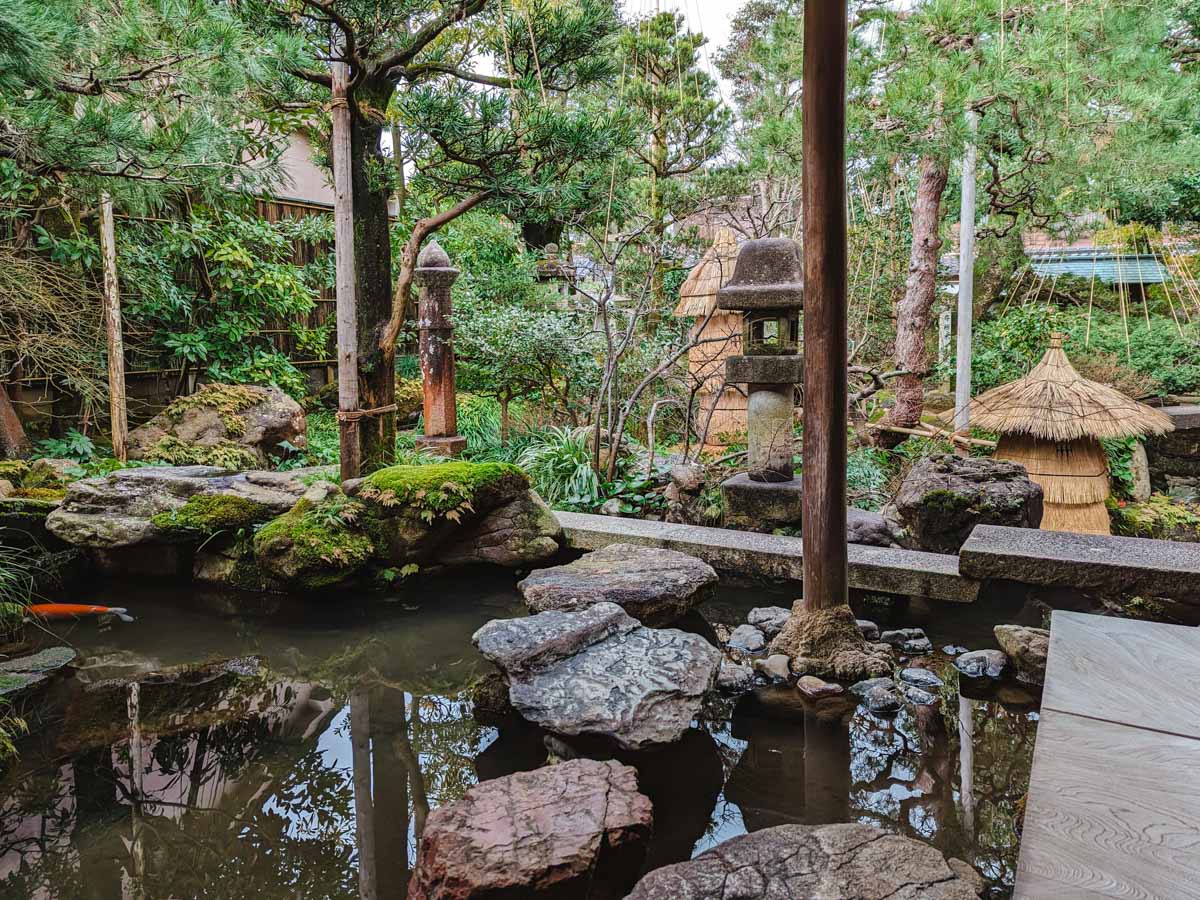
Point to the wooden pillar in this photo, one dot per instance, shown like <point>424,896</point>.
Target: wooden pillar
<point>112,329</point>
<point>347,304</point>
<point>825,398</point>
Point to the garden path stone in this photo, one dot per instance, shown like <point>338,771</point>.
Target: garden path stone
<point>600,672</point>
<point>982,663</point>
<point>653,585</point>
<point>846,860</point>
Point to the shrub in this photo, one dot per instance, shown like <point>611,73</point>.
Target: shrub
<point>558,461</point>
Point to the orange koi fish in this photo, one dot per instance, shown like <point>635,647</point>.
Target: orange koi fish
<point>76,611</point>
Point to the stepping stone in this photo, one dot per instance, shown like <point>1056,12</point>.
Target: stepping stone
<point>922,678</point>
<point>576,829</point>
<point>600,672</point>
<point>843,860</point>
<point>815,688</point>
<point>982,663</point>
<point>655,586</point>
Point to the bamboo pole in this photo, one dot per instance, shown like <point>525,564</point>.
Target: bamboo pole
<point>112,329</point>
<point>347,303</point>
<point>825,384</point>
<point>966,281</point>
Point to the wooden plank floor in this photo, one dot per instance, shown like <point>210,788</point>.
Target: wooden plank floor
<point>1114,795</point>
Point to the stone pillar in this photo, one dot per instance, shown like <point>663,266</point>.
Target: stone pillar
<point>433,276</point>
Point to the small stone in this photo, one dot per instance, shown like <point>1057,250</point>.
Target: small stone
<point>954,650</point>
<point>611,507</point>
<point>870,631</point>
<point>687,478</point>
<point>916,696</point>
<point>1012,695</point>
<point>982,663</point>
<point>776,667</point>
<point>862,688</point>
<point>921,678</point>
<point>815,688</point>
<point>1027,648</point>
<point>917,646</point>
<point>898,636</point>
<point>6,487</point>
<point>880,699</point>
<point>768,619</point>
<point>747,639</point>
<point>734,678</point>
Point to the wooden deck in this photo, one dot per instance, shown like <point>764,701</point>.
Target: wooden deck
<point>1114,796</point>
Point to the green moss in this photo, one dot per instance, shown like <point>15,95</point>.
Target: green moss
<point>13,470</point>
<point>39,493</point>
<point>407,482</point>
<point>314,545</point>
<point>31,506</point>
<point>945,501</point>
<point>211,513</point>
<point>227,399</point>
<point>1161,517</point>
<point>223,454</point>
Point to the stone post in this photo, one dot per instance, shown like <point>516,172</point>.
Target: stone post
<point>433,276</point>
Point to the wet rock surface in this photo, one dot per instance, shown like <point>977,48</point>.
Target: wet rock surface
<point>944,497</point>
<point>768,619</point>
<point>734,678</point>
<point>600,672</point>
<point>1027,648</point>
<point>25,673</point>
<point>982,663</point>
<point>747,639</point>
<point>922,678</point>
<point>576,829</point>
<point>845,861</point>
<point>654,586</point>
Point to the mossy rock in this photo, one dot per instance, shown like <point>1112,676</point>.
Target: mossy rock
<point>228,400</point>
<point>207,514</point>
<point>228,455</point>
<point>1161,517</point>
<point>441,488</point>
<point>315,545</point>
<point>13,470</point>
<point>39,493</point>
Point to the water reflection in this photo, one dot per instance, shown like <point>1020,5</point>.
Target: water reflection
<point>314,778</point>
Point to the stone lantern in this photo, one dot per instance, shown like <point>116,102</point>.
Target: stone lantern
<point>768,289</point>
<point>434,276</point>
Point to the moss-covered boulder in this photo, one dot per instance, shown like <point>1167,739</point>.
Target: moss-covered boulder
<point>170,505</point>
<point>944,497</point>
<point>317,544</point>
<point>232,426</point>
<point>411,511</point>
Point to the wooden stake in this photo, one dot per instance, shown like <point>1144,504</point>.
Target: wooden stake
<point>347,318</point>
<point>825,385</point>
<point>112,328</point>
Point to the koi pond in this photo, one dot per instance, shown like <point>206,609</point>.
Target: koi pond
<point>194,754</point>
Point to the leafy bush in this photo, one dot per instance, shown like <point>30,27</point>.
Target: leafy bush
<point>558,461</point>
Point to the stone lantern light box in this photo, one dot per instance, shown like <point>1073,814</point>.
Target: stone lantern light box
<point>767,287</point>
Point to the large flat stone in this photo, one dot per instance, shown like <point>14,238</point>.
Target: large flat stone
<point>576,829</point>
<point>1088,562</point>
<point>599,672</point>
<point>847,860</point>
<point>653,585</point>
<point>882,569</point>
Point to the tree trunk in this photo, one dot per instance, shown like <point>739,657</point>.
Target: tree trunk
<point>504,402</point>
<point>13,441</point>
<point>373,271</point>
<point>913,313</point>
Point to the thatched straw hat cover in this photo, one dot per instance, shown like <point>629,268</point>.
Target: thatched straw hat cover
<point>698,293</point>
<point>1055,403</point>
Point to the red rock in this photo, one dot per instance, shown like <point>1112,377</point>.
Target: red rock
<point>574,830</point>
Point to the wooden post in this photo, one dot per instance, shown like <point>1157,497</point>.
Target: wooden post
<point>966,282</point>
<point>825,385</point>
<point>112,328</point>
<point>347,316</point>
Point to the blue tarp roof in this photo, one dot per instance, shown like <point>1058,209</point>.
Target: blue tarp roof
<point>1102,264</point>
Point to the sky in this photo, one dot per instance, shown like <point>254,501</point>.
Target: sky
<point>710,17</point>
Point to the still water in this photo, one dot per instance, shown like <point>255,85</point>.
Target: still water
<point>307,769</point>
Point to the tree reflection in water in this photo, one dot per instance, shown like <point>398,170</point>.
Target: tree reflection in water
<point>285,788</point>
